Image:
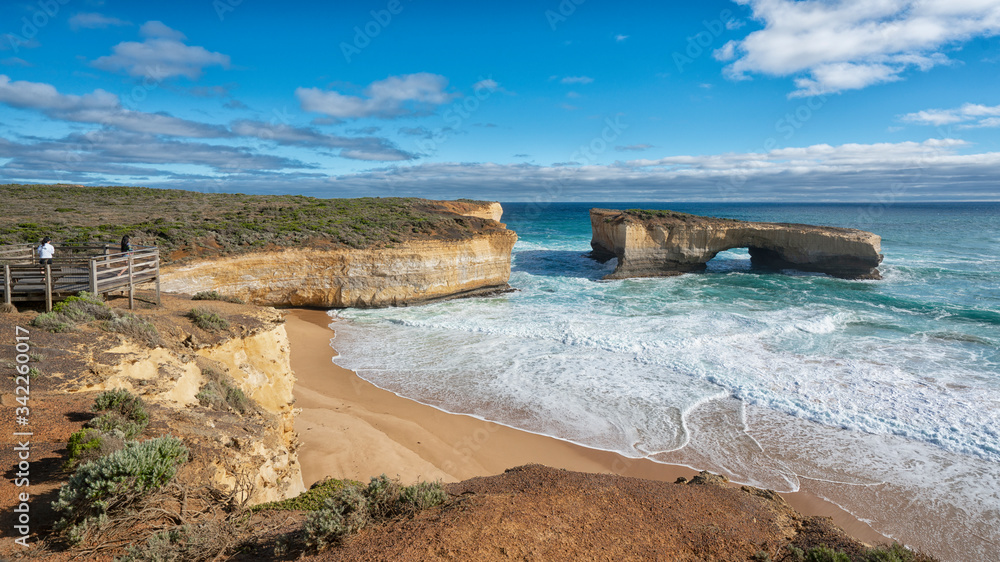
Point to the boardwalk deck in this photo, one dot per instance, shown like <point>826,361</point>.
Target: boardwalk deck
<point>94,269</point>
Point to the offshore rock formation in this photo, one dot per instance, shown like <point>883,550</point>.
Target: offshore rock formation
<point>409,272</point>
<point>664,243</point>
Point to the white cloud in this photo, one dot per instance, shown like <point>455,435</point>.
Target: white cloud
<point>621,38</point>
<point>162,55</point>
<point>391,97</point>
<point>363,148</point>
<point>970,115</point>
<point>91,20</point>
<point>577,80</point>
<point>839,45</point>
<point>930,170</point>
<point>98,107</point>
<point>14,61</point>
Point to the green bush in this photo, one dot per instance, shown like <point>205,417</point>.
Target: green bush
<point>825,554</point>
<point>83,308</point>
<point>311,499</point>
<point>52,322</point>
<point>892,553</point>
<point>123,412</point>
<point>343,514</point>
<point>207,320</point>
<point>221,393</point>
<point>107,487</point>
<point>352,507</point>
<point>422,495</point>
<point>187,543</point>
<point>215,296</point>
<point>135,328</point>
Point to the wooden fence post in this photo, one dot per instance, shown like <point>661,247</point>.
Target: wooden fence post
<point>7,285</point>
<point>48,288</point>
<point>131,285</point>
<point>156,257</point>
<point>93,278</point>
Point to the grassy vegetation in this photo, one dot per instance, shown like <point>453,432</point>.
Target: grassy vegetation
<point>215,296</point>
<point>353,507</point>
<point>310,500</point>
<point>108,487</point>
<point>215,223</point>
<point>207,320</point>
<point>221,393</point>
<point>648,214</point>
<point>121,412</point>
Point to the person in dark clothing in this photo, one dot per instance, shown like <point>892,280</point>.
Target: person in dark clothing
<point>126,244</point>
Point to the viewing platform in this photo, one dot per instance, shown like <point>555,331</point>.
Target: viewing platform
<point>98,270</point>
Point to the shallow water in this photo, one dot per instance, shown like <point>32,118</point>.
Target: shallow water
<point>870,393</point>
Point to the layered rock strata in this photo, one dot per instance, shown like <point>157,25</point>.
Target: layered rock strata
<point>663,243</point>
<point>409,272</point>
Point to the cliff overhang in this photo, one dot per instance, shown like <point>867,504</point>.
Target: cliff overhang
<point>665,243</point>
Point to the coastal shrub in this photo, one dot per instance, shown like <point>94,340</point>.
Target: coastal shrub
<point>383,497</point>
<point>353,506</point>
<point>346,512</point>
<point>207,320</point>
<point>52,322</point>
<point>83,308</point>
<point>422,495</point>
<point>110,485</point>
<point>122,411</point>
<point>136,329</point>
<point>310,500</point>
<point>825,554</point>
<point>221,393</point>
<point>90,444</point>
<point>892,553</point>
<point>186,543</point>
<point>215,296</point>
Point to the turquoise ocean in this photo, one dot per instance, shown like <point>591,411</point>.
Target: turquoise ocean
<point>882,397</point>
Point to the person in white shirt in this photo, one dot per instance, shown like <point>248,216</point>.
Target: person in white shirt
<point>46,251</point>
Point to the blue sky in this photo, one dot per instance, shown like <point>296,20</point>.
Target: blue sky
<point>589,100</point>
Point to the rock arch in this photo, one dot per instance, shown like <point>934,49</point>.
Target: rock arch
<point>663,243</point>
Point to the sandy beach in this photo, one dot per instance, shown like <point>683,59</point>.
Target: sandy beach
<point>350,428</point>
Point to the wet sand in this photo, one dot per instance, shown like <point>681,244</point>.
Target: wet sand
<point>350,428</point>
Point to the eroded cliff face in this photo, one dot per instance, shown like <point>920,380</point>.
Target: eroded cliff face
<point>254,450</point>
<point>410,273</point>
<point>405,273</point>
<point>653,245</point>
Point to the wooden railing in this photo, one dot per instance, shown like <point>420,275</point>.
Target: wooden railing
<point>95,269</point>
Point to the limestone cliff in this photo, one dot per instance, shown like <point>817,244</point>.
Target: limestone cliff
<point>404,273</point>
<point>256,449</point>
<point>662,243</point>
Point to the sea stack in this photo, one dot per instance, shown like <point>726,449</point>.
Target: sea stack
<point>665,243</point>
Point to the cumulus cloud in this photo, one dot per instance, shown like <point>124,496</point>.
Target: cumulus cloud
<point>98,107</point>
<point>392,97</point>
<point>970,116</point>
<point>161,55</point>
<point>92,20</point>
<point>842,45</point>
